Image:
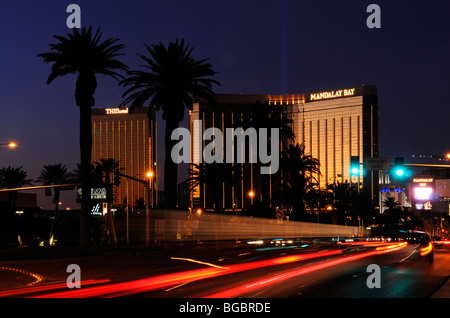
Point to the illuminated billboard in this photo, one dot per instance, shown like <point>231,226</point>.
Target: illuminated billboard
<point>423,193</point>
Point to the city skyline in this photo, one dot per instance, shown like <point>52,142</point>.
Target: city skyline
<point>278,47</point>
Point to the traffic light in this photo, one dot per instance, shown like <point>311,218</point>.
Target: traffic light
<point>399,169</point>
<point>354,166</point>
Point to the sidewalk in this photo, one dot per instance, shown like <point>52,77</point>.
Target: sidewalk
<point>444,291</point>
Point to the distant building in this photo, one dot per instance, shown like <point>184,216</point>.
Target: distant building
<point>23,200</point>
<point>130,138</point>
<point>443,195</point>
<point>334,125</point>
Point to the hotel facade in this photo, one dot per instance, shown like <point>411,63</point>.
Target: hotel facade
<point>130,138</point>
<point>334,126</point>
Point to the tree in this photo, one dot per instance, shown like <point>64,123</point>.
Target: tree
<point>84,54</point>
<point>12,178</point>
<point>263,115</point>
<point>171,79</point>
<point>55,175</point>
<point>108,166</point>
<point>299,170</point>
<point>213,176</point>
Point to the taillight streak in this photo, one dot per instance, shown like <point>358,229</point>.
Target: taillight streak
<point>47,287</point>
<point>426,250</point>
<point>257,284</point>
<point>163,281</point>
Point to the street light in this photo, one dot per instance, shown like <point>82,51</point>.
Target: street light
<point>251,194</point>
<point>10,144</point>
<point>147,209</point>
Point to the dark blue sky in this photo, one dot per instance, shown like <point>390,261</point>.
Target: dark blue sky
<point>263,46</point>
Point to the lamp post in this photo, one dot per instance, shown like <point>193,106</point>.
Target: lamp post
<point>251,194</point>
<point>147,209</point>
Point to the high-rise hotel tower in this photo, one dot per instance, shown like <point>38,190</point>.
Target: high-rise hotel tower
<point>130,138</point>
<point>334,125</point>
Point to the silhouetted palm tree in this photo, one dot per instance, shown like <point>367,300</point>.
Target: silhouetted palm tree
<point>213,175</point>
<point>108,166</point>
<point>299,170</point>
<point>84,54</point>
<point>12,178</point>
<point>263,115</point>
<point>55,175</point>
<point>171,79</point>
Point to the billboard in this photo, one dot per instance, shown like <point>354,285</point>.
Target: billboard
<point>423,193</point>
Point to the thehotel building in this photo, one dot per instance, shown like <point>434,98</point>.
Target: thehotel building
<point>130,138</point>
<point>334,125</point>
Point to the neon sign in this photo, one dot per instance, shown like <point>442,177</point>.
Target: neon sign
<point>116,111</point>
<point>422,180</point>
<point>333,94</point>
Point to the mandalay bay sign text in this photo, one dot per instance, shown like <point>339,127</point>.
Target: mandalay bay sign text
<point>332,94</point>
<point>234,143</point>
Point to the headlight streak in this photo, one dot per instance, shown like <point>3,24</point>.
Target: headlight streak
<point>164,281</point>
<point>247,288</point>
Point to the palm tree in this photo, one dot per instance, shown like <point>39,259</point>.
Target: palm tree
<point>299,170</point>
<point>12,178</point>
<point>109,166</point>
<point>213,176</point>
<point>171,79</point>
<point>84,54</point>
<point>54,175</point>
<point>263,115</point>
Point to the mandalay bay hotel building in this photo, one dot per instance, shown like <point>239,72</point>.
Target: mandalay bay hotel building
<point>334,125</point>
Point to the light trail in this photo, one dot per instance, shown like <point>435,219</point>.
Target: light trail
<point>167,280</point>
<point>47,287</point>
<point>198,262</point>
<point>257,284</point>
<point>38,278</point>
<point>426,250</point>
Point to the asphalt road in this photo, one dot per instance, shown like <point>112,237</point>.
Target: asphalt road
<point>269,269</point>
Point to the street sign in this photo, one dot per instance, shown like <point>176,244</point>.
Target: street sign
<point>378,164</point>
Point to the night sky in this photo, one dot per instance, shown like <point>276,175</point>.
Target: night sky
<point>256,46</point>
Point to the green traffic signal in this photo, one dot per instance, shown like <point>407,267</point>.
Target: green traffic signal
<point>355,171</point>
<point>354,166</point>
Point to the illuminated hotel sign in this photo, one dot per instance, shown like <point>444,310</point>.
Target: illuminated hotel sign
<point>116,111</point>
<point>423,189</point>
<point>422,180</point>
<point>333,94</point>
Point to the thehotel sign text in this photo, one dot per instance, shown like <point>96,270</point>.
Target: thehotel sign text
<point>116,111</point>
<point>333,94</point>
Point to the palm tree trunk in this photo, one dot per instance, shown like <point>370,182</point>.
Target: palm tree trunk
<point>85,148</point>
<point>170,167</point>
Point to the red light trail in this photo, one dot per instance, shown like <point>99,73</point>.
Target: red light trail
<point>179,278</point>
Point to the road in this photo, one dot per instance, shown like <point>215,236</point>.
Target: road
<point>274,268</point>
